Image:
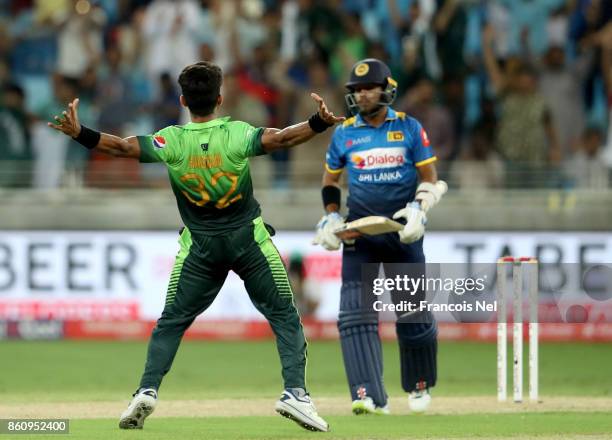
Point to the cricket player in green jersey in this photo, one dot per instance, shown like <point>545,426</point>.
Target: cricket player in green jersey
<point>208,166</point>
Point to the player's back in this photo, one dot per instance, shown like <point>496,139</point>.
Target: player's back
<point>209,172</point>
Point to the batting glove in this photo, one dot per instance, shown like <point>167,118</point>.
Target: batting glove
<point>429,194</point>
<point>415,222</point>
<point>325,231</point>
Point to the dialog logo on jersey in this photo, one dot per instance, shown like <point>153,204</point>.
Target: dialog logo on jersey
<point>159,142</point>
<point>378,158</point>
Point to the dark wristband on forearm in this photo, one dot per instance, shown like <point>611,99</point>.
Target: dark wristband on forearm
<point>331,195</point>
<point>88,138</point>
<point>317,124</point>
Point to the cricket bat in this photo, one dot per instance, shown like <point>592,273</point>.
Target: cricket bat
<point>371,225</point>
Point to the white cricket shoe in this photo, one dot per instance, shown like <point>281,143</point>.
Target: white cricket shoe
<point>367,406</point>
<point>296,405</point>
<point>419,401</point>
<point>141,406</point>
<point>363,406</point>
<point>383,410</point>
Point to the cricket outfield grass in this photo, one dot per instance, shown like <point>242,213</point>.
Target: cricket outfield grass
<point>227,390</point>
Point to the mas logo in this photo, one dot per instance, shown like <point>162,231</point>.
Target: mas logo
<point>159,142</point>
<point>358,141</point>
<point>395,136</point>
<point>378,158</point>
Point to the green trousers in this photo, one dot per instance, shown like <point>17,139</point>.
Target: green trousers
<point>200,269</point>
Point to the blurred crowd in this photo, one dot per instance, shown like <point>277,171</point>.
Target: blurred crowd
<point>512,93</point>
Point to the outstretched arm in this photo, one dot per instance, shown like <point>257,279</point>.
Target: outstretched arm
<point>275,139</point>
<point>68,123</point>
<point>495,73</point>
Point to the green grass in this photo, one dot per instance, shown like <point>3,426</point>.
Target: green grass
<point>97,371</point>
<point>71,370</point>
<point>350,427</point>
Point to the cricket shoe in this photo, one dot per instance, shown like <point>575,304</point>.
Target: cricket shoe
<point>296,405</point>
<point>363,406</point>
<point>419,401</point>
<point>367,406</point>
<point>141,406</point>
<point>382,410</point>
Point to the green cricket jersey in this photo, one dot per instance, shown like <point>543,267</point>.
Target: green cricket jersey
<point>208,166</point>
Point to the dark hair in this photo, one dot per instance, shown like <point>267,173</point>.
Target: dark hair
<point>201,86</point>
<point>14,88</point>
<point>69,81</point>
<point>165,77</point>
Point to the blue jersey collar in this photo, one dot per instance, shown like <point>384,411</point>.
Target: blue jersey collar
<point>391,116</point>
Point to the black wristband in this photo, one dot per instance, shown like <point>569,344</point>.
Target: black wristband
<point>88,138</point>
<point>331,194</point>
<point>317,124</point>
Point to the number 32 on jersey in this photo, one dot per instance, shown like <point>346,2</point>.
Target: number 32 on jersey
<point>195,182</point>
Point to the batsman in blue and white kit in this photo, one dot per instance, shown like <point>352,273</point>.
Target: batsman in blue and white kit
<point>391,173</point>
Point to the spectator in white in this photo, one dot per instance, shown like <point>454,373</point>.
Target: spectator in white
<point>230,28</point>
<point>290,32</point>
<point>80,39</point>
<point>498,17</point>
<point>587,168</point>
<point>129,39</point>
<point>480,168</point>
<point>418,36</point>
<point>58,159</point>
<point>561,85</point>
<point>217,29</point>
<point>557,28</point>
<point>170,30</point>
